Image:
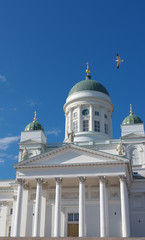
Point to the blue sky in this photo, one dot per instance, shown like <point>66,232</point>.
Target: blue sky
<point>44,47</point>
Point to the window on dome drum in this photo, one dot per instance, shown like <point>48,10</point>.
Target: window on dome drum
<point>75,114</point>
<point>105,116</point>
<point>85,125</point>
<point>75,126</point>
<point>9,232</point>
<point>96,113</point>
<point>106,128</point>
<point>96,126</point>
<point>11,211</point>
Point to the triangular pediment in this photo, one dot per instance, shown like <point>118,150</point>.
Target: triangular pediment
<point>70,155</point>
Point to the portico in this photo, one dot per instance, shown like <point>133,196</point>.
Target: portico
<point>74,187</point>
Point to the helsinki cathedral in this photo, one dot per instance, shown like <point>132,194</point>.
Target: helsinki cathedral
<point>90,185</point>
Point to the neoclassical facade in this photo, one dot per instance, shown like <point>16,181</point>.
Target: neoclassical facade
<point>90,185</point>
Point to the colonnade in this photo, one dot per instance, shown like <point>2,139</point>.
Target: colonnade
<point>82,223</point>
<point>69,119</point>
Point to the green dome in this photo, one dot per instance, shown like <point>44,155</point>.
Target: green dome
<point>88,84</point>
<point>131,119</point>
<point>33,126</point>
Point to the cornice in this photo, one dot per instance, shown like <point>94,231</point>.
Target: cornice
<point>71,165</point>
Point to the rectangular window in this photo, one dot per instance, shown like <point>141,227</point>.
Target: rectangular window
<point>75,126</point>
<point>76,217</point>
<point>96,126</point>
<point>85,125</point>
<point>105,116</point>
<point>96,113</point>
<point>106,128</point>
<point>70,217</point>
<point>73,217</point>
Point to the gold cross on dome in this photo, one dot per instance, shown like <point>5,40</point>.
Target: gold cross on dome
<point>131,112</point>
<point>88,70</point>
<point>35,116</point>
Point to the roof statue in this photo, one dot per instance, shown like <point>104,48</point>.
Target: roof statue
<point>120,149</point>
<point>24,154</point>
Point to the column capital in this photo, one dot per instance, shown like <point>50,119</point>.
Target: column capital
<point>27,186</point>
<point>20,181</point>
<point>102,179</point>
<point>39,180</point>
<point>58,180</point>
<point>4,203</point>
<point>122,178</point>
<point>82,179</point>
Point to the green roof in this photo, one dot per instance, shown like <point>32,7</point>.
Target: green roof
<point>131,119</point>
<point>88,84</point>
<point>33,126</point>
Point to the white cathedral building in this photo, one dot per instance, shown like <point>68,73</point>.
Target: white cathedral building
<point>91,185</point>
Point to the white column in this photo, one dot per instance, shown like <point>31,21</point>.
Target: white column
<point>43,214</point>
<point>79,118</point>
<point>102,120</point>
<point>91,118</point>
<point>82,220</point>
<point>37,215</point>
<point>110,123</point>
<point>103,209</point>
<point>18,208</point>
<point>124,207</point>
<point>66,125</point>
<point>24,210</point>
<point>70,121</point>
<point>57,216</point>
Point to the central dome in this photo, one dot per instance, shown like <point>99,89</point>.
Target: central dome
<point>88,84</point>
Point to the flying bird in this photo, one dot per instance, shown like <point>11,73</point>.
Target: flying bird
<point>118,60</point>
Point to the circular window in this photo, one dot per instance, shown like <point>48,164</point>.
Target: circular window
<point>85,112</point>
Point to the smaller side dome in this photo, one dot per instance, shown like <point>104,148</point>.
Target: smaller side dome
<point>131,119</point>
<point>34,126</point>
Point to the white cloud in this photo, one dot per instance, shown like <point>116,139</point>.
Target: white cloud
<point>7,141</point>
<point>32,103</point>
<point>1,160</point>
<point>2,78</point>
<point>53,131</point>
<point>5,156</point>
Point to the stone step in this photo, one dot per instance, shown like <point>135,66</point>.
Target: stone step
<point>71,238</point>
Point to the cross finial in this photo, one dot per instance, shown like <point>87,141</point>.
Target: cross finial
<point>88,70</point>
<point>131,112</point>
<point>35,117</point>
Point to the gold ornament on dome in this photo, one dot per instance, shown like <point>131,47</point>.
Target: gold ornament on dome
<point>88,70</point>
